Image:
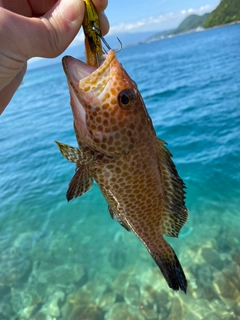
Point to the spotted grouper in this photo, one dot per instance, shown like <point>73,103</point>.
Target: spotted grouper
<point>118,148</point>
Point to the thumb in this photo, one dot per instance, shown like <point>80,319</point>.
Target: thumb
<point>57,28</point>
<point>8,91</point>
<point>49,35</point>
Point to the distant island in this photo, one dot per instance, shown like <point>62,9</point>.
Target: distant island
<point>192,22</point>
<point>228,11</point>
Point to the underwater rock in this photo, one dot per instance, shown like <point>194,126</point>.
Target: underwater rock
<point>204,275</point>
<point>95,289</point>
<point>25,302</point>
<point>63,274</point>
<point>149,312</point>
<point>52,308</point>
<point>154,302</point>
<point>24,242</point>
<point>177,309</point>
<point>125,276</point>
<point>91,312</point>
<point>230,238</point>
<point>107,300</point>
<point>227,283</point>
<point>132,294</point>
<point>141,286</point>
<point>75,305</point>
<point>81,308</point>
<point>121,311</point>
<point>46,275</point>
<point>236,310</point>
<point>151,277</point>
<point>213,258</point>
<point>4,290</point>
<point>13,267</point>
<point>216,309</point>
<point>209,292</point>
<point>195,309</point>
<point>117,257</point>
<point>3,317</point>
<point>79,274</point>
<point>84,304</point>
<point>6,311</point>
<point>117,254</point>
<point>28,312</point>
<point>42,316</point>
<point>236,257</point>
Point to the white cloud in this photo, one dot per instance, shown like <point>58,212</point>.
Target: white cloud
<point>158,20</point>
<point>34,59</point>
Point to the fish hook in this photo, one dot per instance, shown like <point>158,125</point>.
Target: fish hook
<point>121,46</point>
<point>99,33</point>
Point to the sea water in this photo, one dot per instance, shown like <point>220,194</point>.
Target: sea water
<point>71,261</point>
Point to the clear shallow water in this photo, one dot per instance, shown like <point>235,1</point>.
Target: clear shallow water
<point>63,260</point>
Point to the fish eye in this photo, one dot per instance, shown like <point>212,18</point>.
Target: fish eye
<point>125,98</point>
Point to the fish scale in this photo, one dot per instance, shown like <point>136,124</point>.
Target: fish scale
<point>118,148</point>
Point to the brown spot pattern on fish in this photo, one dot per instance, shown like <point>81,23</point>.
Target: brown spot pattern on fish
<point>132,167</point>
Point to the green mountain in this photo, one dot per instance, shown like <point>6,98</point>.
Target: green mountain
<point>192,22</point>
<point>227,11</point>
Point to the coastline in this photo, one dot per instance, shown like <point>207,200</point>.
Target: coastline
<point>199,29</point>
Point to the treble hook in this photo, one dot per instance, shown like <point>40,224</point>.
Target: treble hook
<point>93,37</point>
<point>121,46</point>
<point>108,47</point>
<point>99,33</point>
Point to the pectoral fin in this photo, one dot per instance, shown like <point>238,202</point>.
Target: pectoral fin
<point>80,183</point>
<point>74,154</point>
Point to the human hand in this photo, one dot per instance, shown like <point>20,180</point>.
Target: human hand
<point>36,28</point>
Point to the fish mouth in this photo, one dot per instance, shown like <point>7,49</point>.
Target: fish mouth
<point>85,83</point>
<point>76,70</point>
<point>79,74</point>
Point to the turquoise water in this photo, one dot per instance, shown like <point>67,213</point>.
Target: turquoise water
<point>71,261</point>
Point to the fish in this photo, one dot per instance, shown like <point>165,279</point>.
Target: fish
<point>118,148</point>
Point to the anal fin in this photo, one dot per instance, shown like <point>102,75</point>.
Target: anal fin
<point>123,223</point>
<point>111,212</point>
<point>119,219</point>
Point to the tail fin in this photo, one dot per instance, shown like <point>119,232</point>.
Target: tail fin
<point>170,266</point>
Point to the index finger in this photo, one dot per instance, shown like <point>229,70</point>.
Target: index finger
<point>100,5</point>
<point>103,21</point>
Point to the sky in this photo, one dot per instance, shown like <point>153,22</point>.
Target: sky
<point>157,14</point>
<point>131,16</point>
<point>150,15</point>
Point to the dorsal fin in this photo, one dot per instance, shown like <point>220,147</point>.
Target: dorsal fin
<point>80,183</point>
<point>174,210</point>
